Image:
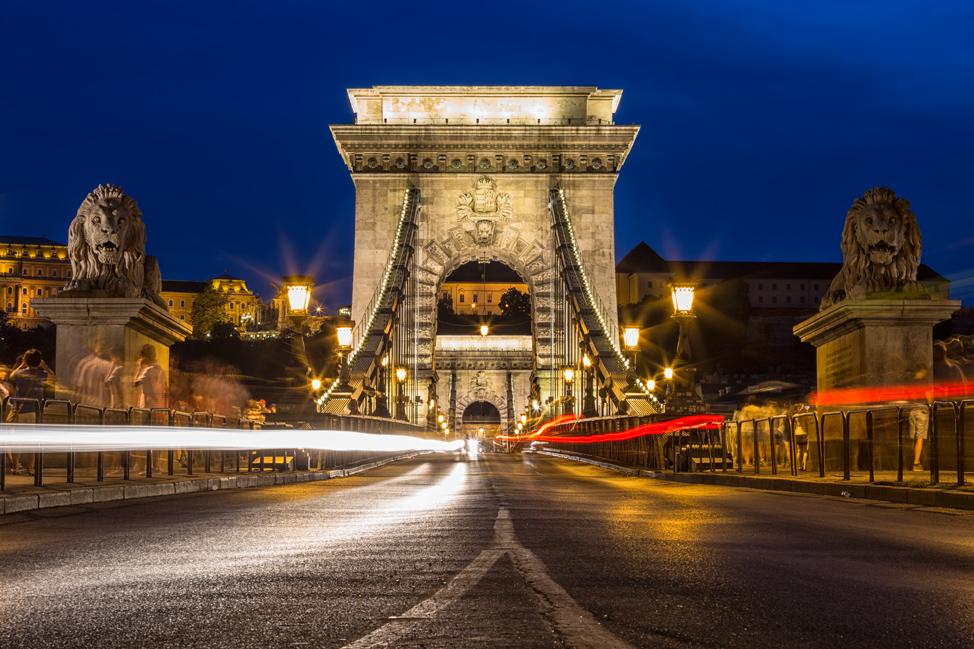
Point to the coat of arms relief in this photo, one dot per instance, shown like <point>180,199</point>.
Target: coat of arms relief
<point>484,207</point>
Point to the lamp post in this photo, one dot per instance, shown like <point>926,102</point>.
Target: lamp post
<point>381,399</point>
<point>298,291</point>
<point>568,372</point>
<point>588,405</point>
<point>400,393</point>
<point>344,332</point>
<point>685,397</point>
<point>630,342</point>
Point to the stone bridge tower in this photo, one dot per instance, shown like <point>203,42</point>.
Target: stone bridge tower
<point>485,160</point>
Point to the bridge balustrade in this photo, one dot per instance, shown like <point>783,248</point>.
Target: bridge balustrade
<point>175,461</point>
<point>872,444</point>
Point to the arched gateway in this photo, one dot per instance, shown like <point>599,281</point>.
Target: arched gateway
<point>477,166</point>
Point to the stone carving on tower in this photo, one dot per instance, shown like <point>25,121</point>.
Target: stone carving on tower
<point>485,206</point>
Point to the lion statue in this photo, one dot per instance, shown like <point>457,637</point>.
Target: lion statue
<point>106,246</point>
<point>881,246</point>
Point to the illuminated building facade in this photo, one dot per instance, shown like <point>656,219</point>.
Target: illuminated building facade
<point>771,284</point>
<point>30,267</point>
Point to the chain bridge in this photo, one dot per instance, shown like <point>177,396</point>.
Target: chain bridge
<point>521,176</point>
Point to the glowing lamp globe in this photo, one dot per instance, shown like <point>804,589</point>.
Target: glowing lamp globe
<point>630,335</point>
<point>668,372</point>
<point>483,330</point>
<point>401,373</point>
<point>345,336</point>
<point>682,293</point>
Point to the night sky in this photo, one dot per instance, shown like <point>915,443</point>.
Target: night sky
<point>761,120</point>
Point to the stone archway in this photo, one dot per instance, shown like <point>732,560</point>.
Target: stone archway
<point>483,395</point>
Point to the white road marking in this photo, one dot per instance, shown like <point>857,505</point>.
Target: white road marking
<point>577,627</point>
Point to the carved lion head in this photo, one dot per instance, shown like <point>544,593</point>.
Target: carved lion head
<point>881,241</point>
<point>106,242</point>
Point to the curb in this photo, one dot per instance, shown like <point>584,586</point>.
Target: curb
<point>884,493</point>
<point>108,493</point>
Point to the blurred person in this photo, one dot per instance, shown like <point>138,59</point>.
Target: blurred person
<point>89,377</point>
<point>254,412</point>
<point>30,380</point>
<point>150,378</point>
<point>799,425</point>
<point>113,382</point>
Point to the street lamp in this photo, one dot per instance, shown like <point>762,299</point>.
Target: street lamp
<point>298,291</point>
<point>400,393</point>
<point>588,405</point>
<point>568,373</point>
<point>684,400</point>
<point>682,292</point>
<point>483,330</point>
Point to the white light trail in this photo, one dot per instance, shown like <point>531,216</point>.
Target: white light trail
<point>62,438</point>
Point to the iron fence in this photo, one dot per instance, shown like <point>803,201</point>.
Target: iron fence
<point>873,443</point>
<point>172,461</point>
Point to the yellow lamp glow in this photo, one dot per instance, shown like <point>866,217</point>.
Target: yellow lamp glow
<point>524,419</point>
<point>569,374</point>
<point>401,373</point>
<point>682,296</point>
<point>668,372</point>
<point>535,405</point>
<point>344,336</point>
<point>651,384</point>
<point>298,297</point>
<point>440,419</point>
<point>483,330</point>
<point>631,336</point>
<point>315,384</point>
<point>586,361</point>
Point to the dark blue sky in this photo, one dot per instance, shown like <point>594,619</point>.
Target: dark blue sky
<point>761,120</point>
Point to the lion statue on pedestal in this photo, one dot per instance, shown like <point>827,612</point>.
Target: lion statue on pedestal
<point>106,246</point>
<point>881,246</point>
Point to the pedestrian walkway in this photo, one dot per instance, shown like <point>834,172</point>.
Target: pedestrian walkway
<point>21,495</point>
<point>914,490</point>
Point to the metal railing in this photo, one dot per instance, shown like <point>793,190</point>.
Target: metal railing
<point>175,461</point>
<point>868,443</point>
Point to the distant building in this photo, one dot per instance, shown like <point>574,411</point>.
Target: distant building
<point>30,267</point>
<point>771,284</point>
<point>476,288</point>
<point>38,267</point>
<point>244,307</point>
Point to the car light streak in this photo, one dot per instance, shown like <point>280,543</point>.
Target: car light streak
<point>894,393</point>
<point>693,422</point>
<point>541,429</point>
<point>54,438</point>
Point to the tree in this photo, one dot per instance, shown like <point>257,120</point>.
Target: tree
<point>514,303</point>
<point>209,309</point>
<point>224,331</point>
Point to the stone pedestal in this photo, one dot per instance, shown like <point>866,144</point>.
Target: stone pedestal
<point>118,325</point>
<point>874,342</point>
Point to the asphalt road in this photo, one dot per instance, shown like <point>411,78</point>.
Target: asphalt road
<point>506,551</point>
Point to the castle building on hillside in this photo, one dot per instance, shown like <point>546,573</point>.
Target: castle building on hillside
<point>30,267</point>
<point>39,267</point>
<point>244,308</point>
<point>771,284</point>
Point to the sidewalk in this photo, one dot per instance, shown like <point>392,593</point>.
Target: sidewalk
<point>914,490</point>
<point>21,495</point>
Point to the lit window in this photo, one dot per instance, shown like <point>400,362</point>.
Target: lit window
<point>25,291</point>
<point>25,271</point>
<point>39,293</point>
<point>23,308</point>
<point>461,298</point>
<point>474,298</point>
<point>490,298</point>
<point>182,303</point>
<point>10,307</point>
<point>170,302</point>
<point>182,317</point>
<point>40,272</point>
<point>54,273</point>
<point>231,305</point>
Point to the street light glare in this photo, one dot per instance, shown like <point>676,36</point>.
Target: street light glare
<point>668,372</point>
